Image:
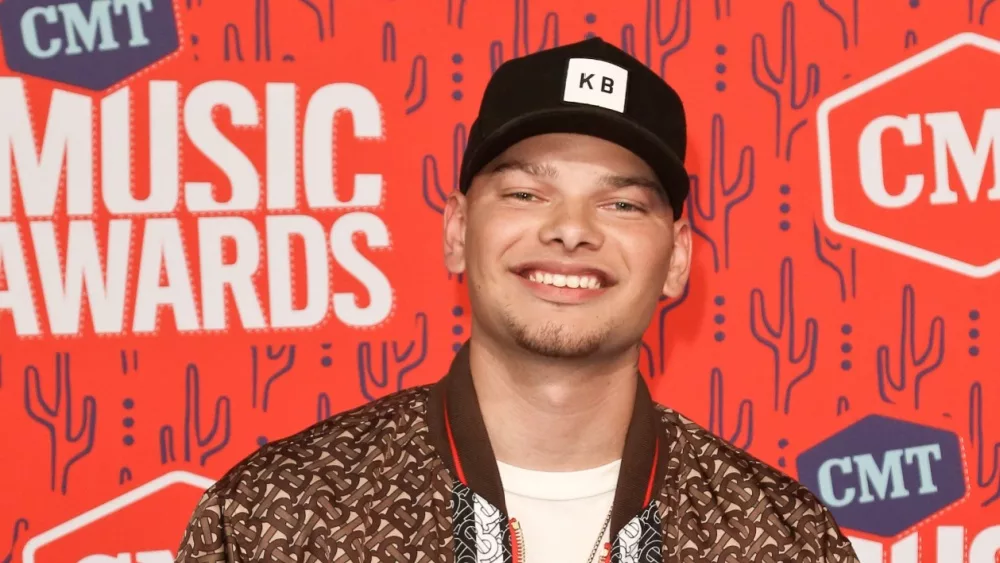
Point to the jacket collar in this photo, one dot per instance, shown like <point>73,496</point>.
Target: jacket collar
<point>459,433</point>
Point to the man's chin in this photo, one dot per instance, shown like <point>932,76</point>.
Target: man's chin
<point>557,341</point>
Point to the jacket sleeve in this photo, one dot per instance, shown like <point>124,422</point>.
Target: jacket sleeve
<point>837,548</point>
<point>208,537</point>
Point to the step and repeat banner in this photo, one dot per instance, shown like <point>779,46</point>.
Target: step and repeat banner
<point>220,222</point>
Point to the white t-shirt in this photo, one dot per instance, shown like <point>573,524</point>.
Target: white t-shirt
<point>560,512</point>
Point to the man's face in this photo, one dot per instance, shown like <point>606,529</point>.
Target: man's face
<point>567,246</point>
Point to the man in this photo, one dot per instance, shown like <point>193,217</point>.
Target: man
<point>542,443</point>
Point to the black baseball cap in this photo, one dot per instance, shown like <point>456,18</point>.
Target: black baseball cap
<point>589,87</point>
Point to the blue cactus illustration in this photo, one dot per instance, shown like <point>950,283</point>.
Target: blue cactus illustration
<point>432,188</point>
<point>910,361</point>
<point>66,445</point>
<point>840,259</point>
<point>709,209</point>
<point>20,526</point>
<point>978,16</point>
<point>522,41</point>
<point>667,42</point>
<point>320,24</point>
<point>846,14</point>
<point>323,408</point>
<point>843,405</point>
<point>983,455</point>
<point>262,30</point>
<point>130,361</point>
<point>389,378</point>
<point>723,9</point>
<point>285,354</point>
<point>792,363</point>
<point>388,42</point>
<point>456,13</point>
<point>208,443</point>
<point>434,194</point>
<point>670,305</point>
<point>416,92</point>
<point>742,435</point>
<point>784,85</point>
<point>231,42</point>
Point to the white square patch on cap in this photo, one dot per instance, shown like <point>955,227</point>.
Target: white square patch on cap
<point>596,83</point>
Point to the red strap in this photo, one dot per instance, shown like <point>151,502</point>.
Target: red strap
<point>454,449</point>
<point>652,473</point>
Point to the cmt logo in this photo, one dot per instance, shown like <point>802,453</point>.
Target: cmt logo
<point>87,43</point>
<point>882,476</point>
<point>910,157</point>
<point>142,526</point>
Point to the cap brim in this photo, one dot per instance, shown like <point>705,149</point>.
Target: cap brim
<point>595,122</point>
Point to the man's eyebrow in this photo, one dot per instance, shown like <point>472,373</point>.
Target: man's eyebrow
<point>533,168</point>
<point>620,181</point>
<point>543,170</point>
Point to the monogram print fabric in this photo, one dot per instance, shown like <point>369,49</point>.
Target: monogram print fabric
<point>490,527</point>
<point>641,540</point>
<point>721,504</point>
<point>368,486</point>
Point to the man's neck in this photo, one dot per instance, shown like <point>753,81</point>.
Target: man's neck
<point>553,415</point>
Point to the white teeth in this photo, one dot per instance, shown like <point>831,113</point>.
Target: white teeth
<point>563,280</point>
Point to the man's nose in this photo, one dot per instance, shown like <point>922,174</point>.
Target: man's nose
<point>572,225</point>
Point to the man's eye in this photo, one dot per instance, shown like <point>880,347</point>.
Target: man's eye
<point>524,196</point>
<point>626,206</point>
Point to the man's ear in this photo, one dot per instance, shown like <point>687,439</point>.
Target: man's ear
<point>680,260</point>
<point>454,232</point>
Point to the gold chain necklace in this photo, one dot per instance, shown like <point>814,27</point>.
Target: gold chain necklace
<point>519,555</point>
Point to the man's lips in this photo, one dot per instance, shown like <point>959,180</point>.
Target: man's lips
<point>564,283</point>
<point>560,274</point>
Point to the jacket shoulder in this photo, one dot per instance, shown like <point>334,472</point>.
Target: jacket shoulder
<point>328,469</point>
<point>347,442</point>
<point>745,498</point>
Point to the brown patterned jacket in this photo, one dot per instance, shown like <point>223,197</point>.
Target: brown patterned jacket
<point>412,477</point>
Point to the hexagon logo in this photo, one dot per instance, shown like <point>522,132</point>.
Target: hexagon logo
<point>910,157</point>
<point>881,476</point>
<point>92,44</point>
<point>143,525</point>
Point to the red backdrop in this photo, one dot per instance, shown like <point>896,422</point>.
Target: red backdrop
<point>220,222</point>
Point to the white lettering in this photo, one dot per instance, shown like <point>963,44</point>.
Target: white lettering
<point>88,27</point>
<point>200,125</point>
<point>346,254</point>
<point>131,7</point>
<point>105,294</point>
<point>879,475</point>
<point>826,482</point>
<point>983,548</point>
<point>163,251</point>
<point>29,31</point>
<point>116,165</point>
<point>923,455</point>
<point>102,558</point>
<point>950,137</point>
<point>280,230</point>
<point>318,145</point>
<point>17,297</point>
<point>281,108</point>
<point>216,273</point>
<point>870,160</point>
<point>67,139</point>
